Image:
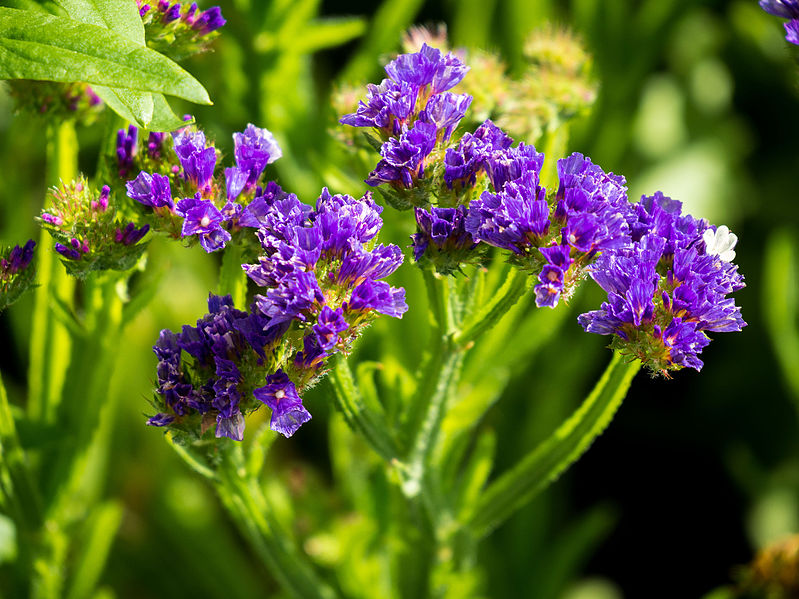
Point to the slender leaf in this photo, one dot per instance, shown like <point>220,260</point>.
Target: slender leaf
<point>780,295</point>
<point>102,528</point>
<point>369,423</point>
<point>329,33</point>
<point>551,458</point>
<point>50,48</point>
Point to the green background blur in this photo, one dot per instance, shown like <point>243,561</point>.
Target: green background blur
<point>698,99</point>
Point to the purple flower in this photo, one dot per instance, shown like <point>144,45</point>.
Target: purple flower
<point>344,222</point>
<point>280,394</point>
<point>552,276</point>
<point>668,288</point>
<point>73,251</point>
<point>427,67</point>
<point>359,265</point>
<point>445,111</point>
<point>312,355</point>
<point>155,143</point>
<point>130,235</point>
<point>792,31</point>
<point>386,107</point>
<point>209,20</point>
<point>151,190</point>
<point>403,158</point>
<point>510,164</point>
<point>254,149</point>
<point>18,259</point>
<point>445,229</point>
<point>296,294</point>
<point>161,419</point>
<point>593,206</point>
<point>462,165</point>
<point>126,150</point>
<point>327,328</point>
<point>198,162</point>
<point>787,9</point>
<point>515,218</point>
<point>203,219</point>
<point>378,296</point>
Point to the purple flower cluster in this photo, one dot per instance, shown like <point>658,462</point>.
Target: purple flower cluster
<point>786,9</point>
<point>321,272</point>
<point>88,233</point>
<point>208,211</point>
<point>668,288</point>
<point>313,258</point>
<point>15,274</point>
<point>18,259</point>
<point>442,235</point>
<point>553,236</point>
<point>203,22</point>
<point>413,112</point>
<point>215,378</point>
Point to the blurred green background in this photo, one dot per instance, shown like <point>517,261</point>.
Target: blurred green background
<point>699,99</point>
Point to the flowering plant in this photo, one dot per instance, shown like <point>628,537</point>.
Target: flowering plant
<point>318,316</point>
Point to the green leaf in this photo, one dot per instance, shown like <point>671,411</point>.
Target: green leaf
<point>50,48</point>
<point>477,470</point>
<point>781,303</point>
<point>120,16</point>
<point>136,107</point>
<point>551,458</point>
<point>164,118</point>
<point>102,527</point>
<point>370,424</point>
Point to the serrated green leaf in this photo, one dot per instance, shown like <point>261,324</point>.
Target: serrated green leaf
<point>50,48</point>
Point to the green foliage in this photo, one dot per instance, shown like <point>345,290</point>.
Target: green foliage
<point>52,48</point>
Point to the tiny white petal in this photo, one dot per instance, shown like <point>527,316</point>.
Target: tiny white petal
<point>720,243</point>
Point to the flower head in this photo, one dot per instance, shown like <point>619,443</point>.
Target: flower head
<point>668,289</point>
<point>16,272</point>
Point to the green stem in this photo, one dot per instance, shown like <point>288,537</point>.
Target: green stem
<point>357,415</point>
<point>552,457</point>
<point>50,343</point>
<point>429,406</point>
<point>84,401</point>
<point>232,279</point>
<point>243,498</point>
<point>512,289</point>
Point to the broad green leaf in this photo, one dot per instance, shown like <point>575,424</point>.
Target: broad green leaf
<point>120,16</point>
<point>136,107</point>
<point>50,48</point>
<point>551,458</point>
<point>164,118</point>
